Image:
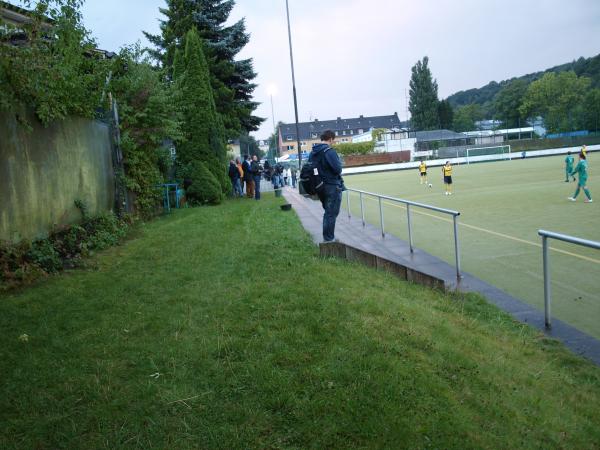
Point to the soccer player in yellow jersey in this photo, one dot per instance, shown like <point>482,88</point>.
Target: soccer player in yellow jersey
<point>584,151</point>
<point>423,172</point>
<point>447,171</point>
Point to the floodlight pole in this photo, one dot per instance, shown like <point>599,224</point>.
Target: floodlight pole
<point>287,9</point>
<point>275,144</point>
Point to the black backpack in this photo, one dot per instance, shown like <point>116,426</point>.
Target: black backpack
<point>310,175</point>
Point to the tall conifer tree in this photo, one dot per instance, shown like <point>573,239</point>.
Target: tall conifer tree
<point>231,79</point>
<point>202,125</point>
<point>423,103</point>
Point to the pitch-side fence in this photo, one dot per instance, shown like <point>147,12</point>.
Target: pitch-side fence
<point>561,237</point>
<point>408,205</point>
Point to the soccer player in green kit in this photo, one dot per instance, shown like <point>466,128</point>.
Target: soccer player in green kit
<point>581,170</point>
<point>569,160</point>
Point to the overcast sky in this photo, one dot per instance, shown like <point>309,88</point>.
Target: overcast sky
<point>354,57</point>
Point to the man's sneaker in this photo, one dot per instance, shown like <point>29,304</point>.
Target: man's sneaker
<point>571,198</point>
<point>588,201</point>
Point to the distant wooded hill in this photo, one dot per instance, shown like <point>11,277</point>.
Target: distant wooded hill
<point>484,96</point>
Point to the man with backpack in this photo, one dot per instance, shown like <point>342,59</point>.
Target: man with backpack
<point>327,166</point>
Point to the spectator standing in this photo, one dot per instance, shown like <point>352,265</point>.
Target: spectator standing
<point>328,161</point>
<point>241,172</point>
<point>257,175</point>
<point>234,176</point>
<point>287,175</point>
<point>248,177</point>
<point>294,178</point>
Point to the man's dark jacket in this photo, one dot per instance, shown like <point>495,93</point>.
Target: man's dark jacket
<point>330,164</point>
<point>234,173</point>
<point>247,173</point>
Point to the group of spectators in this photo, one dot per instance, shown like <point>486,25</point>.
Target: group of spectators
<point>246,176</point>
<point>280,176</point>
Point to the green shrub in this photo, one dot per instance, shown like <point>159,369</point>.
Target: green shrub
<point>205,188</point>
<point>69,242</point>
<point>219,171</point>
<point>357,148</point>
<point>43,254</point>
<point>24,262</point>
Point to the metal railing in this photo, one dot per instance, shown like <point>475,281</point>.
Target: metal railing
<point>560,237</point>
<point>408,204</point>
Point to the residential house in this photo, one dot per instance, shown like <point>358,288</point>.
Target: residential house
<point>344,129</point>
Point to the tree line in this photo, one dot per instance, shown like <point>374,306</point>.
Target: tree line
<point>566,97</point>
<point>189,90</point>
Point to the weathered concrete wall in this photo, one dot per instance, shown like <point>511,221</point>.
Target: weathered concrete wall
<point>43,171</point>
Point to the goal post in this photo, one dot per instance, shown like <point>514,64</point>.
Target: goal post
<point>488,153</point>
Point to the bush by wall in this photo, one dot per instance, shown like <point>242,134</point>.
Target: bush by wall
<point>204,188</point>
<point>357,148</point>
<point>27,261</point>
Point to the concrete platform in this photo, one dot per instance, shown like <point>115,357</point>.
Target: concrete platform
<point>368,246</point>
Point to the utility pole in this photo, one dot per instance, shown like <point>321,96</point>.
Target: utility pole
<point>275,144</point>
<point>287,9</point>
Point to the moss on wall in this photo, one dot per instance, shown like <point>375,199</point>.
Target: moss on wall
<point>45,169</point>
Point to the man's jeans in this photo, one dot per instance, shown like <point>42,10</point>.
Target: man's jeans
<point>257,187</point>
<point>237,187</point>
<point>331,199</point>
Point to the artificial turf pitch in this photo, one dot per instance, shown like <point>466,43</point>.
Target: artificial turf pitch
<point>502,206</point>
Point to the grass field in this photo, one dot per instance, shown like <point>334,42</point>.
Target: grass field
<point>502,205</point>
<point>222,328</point>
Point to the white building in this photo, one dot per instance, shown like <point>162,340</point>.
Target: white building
<point>393,140</point>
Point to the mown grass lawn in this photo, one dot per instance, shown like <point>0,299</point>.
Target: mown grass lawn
<point>221,327</point>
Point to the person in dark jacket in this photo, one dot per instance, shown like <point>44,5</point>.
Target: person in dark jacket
<point>330,167</point>
<point>234,176</point>
<point>248,178</point>
<point>257,170</point>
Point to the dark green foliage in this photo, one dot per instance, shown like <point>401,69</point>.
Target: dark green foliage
<point>445,114</point>
<point>466,116</point>
<point>202,125</point>
<point>149,116</point>
<point>219,172</point>
<point>205,188</point>
<point>592,110</point>
<point>508,101</point>
<point>57,73</point>
<point>231,79</point>
<point>357,148</point>
<point>423,103</point>
<point>485,96</point>
<point>249,146</point>
<point>559,99</point>
<point>24,262</point>
<point>43,254</point>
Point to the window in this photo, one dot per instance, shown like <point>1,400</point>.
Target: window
<point>337,133</point>
<point>290,147</point>
<point>289,138</point>
<point>344,133</point>
<point>313,135</point>
<point>360,131</point>
<point>351,131</point>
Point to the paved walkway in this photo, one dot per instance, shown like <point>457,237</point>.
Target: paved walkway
<point>351,232</point>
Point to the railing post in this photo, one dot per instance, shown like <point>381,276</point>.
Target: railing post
<point>410,241</point>
<point>456,247</point>
<point>348,202</point>
<point>381,218</point>
<point>546,281</point>
<point>362,209</point>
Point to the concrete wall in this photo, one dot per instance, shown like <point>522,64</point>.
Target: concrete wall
<point>44,170</point>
